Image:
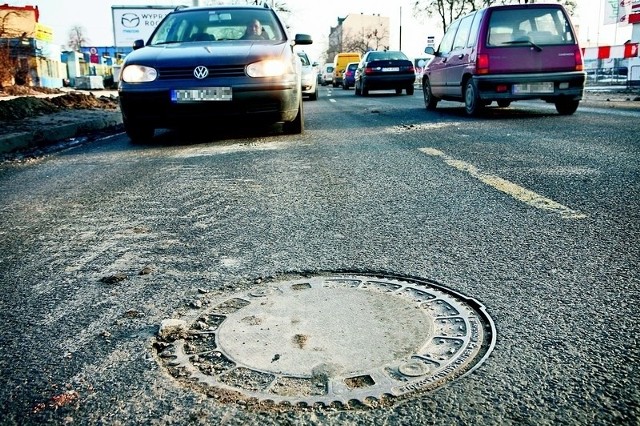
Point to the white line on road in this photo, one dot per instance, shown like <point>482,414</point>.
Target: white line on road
<point>516,191</point>
<point>332,100</point>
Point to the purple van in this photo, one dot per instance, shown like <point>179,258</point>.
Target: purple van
<point>506,54</point>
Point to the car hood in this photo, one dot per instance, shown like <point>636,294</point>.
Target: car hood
<point>205,53</point>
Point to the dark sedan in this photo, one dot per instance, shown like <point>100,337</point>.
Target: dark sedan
<point>383,71</point>
<point>205,65</point>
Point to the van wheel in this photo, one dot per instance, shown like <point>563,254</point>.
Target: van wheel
<point>473,105</point>
<point>296,126</point>
<point>410,90</point>
<point>566,106</point>
<point>503,103</point>
<point>430,101</point>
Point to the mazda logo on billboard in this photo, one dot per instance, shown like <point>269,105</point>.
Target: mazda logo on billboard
<point>200,72</point>
<point>130,20</point>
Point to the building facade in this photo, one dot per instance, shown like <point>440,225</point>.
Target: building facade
<point>27,54</point>
<point>358,33</point>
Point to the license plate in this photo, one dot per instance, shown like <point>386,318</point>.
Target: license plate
<point>545,87</point>
<point>202,94</point>
<point>391,69</point>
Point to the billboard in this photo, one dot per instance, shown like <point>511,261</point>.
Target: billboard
<point>132,23</point>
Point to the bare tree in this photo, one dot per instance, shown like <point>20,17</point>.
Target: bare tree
<point>370,38</point>
<point>450,10</point>
<point>77,38</point>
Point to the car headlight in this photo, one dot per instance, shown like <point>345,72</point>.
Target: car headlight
<point>138,74</point>
<point>267,68</point>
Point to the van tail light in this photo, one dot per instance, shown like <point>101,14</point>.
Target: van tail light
<point>482,64</point>
<point>579,63</point>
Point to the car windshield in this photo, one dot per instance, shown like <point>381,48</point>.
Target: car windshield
<point>304,59</point>
<point>216,25</point>
<point>537,26</point>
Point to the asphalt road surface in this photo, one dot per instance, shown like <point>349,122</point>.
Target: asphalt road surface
<point>534,215</point>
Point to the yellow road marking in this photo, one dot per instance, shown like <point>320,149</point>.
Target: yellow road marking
<point>516,191</point>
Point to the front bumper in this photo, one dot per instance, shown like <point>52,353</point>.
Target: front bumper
<point>273,102</point>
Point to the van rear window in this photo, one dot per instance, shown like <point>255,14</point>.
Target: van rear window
<point>542,26</point>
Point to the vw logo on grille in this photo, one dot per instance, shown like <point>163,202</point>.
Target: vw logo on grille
<point>200,72</point>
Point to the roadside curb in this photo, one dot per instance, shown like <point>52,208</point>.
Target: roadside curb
<point>59,126</point>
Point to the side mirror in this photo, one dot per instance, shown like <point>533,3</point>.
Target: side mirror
<point>429,50</point>
<point>138,44</point>
<point>303,39</point>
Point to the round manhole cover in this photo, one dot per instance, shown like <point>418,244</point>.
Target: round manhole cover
<point>329,339</point>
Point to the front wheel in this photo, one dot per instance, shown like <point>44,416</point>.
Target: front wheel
<point>138,133</point>
<point>473,105</point>
<point>430,101</point>
<point>566,107</point>
<point>296,126</point>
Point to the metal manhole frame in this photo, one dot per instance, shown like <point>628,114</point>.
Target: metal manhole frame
<point>410,378</point>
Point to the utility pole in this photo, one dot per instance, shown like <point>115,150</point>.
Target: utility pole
<point>400,28</point>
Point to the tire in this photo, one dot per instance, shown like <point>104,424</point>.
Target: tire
<point>399,91</point>
<point>345,87</point>
<point>503,103</point>
<point>410,90</point>
<point>430,101</point>
<point>473,105</point>
<point>296,126</point>
<point>314,95</point>
<point>566,106</point>
<point>356,89</point>
<point>138,133</point>
<point>365,90</point>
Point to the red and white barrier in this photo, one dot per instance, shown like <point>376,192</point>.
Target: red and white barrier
<point>629,50</point>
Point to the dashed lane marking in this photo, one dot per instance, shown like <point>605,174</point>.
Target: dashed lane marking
<point>516,191</point>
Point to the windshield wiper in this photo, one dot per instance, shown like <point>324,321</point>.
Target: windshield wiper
<point>529,42</point>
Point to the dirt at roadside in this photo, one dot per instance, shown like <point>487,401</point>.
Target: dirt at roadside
<point>29,103</point>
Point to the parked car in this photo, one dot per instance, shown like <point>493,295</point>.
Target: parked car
<point>327,74</point>
<point>384,70</point>
<point>309,80</point>
<point>177,80</point>
<point>348,77</point>
<point>340,62</point>
<point>506,54</point>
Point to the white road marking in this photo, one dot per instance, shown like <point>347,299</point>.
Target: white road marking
<point>516,191</point>
<point>332,100</point>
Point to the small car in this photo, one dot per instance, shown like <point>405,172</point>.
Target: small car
<point>383,70</point>
<point>505,54</point>
<point>200,67</point>
<point>309,79</point>
<point>348,77</point>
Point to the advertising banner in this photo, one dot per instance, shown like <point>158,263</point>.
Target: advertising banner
<point>132,23</point>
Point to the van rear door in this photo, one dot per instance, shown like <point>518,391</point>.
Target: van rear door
<point>538,38</point>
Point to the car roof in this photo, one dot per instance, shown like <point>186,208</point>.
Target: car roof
<point>219,7</point>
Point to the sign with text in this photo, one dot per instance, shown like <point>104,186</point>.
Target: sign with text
<point>132,23</point>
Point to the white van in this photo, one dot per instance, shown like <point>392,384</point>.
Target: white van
<point>327,74</point>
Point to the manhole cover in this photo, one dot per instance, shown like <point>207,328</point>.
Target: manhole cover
<point>329,339</point>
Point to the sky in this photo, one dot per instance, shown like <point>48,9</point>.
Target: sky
<point>315,17</point>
